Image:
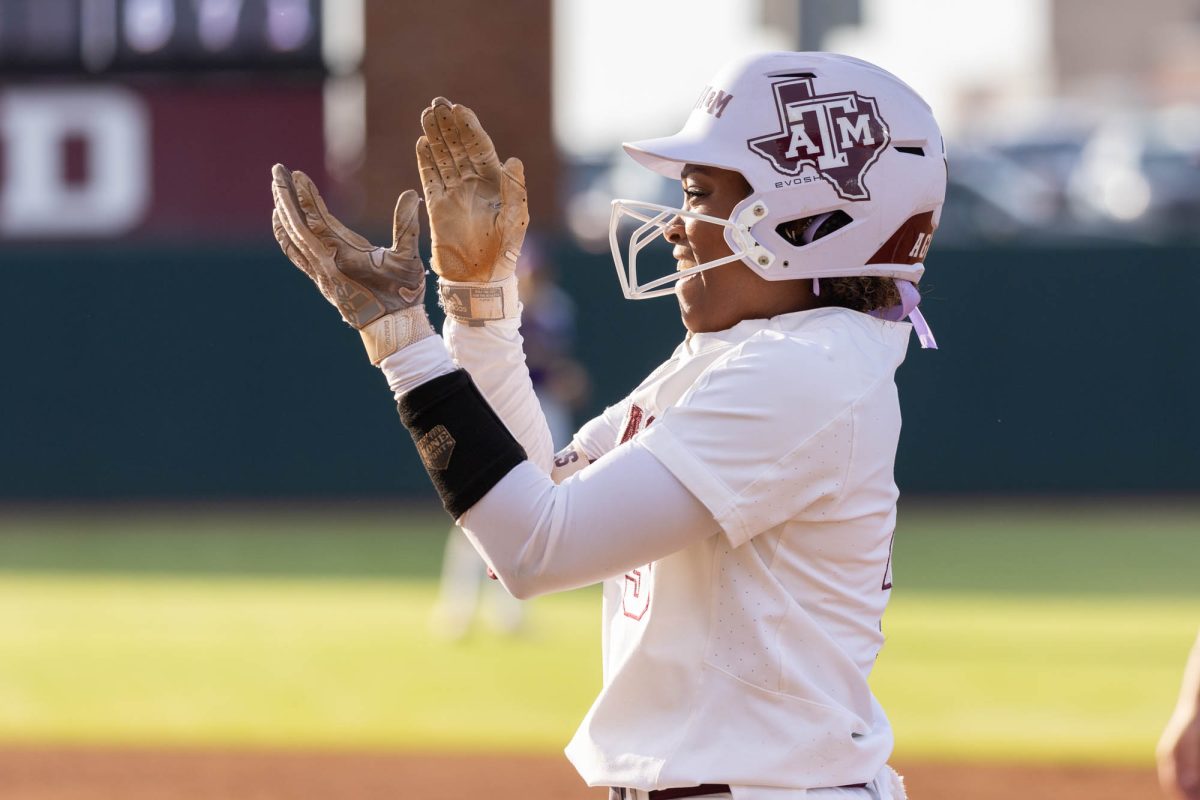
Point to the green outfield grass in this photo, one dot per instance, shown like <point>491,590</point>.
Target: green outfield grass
<point>1016,632</point>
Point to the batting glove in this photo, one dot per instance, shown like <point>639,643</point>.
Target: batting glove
<point>379,291</point>
<point>478,214</point>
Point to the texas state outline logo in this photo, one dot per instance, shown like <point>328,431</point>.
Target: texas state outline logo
<point>839,136</point>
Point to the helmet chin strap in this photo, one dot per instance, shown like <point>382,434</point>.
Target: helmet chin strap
<point>806,238</point>
<point>909,299</point>
<point>909,296</point>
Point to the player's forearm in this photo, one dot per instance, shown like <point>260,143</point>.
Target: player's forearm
<point>416,364</point>
<point>494,356</point>
<point>498,370</point>
<point>626,510</point>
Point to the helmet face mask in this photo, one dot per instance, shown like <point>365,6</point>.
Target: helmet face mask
<point>813,134</point>
<point>655,219</point>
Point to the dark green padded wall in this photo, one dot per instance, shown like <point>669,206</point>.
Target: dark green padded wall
<point>158,373</point>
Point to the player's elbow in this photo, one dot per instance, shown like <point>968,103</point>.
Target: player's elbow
<point>522,587</point>
<point>524,592</point>
<point>516,527</point>
<point>528,573</point>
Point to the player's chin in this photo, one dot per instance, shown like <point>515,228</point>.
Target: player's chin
<point>689,291</point>
<point>689,287</point>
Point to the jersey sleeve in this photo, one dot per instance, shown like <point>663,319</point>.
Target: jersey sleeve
<point>621,512</point>
<point>605,432</point>
<point>764,435</point>
<point>494,356</point>
<point>594,439</point>
<point>600,434</point>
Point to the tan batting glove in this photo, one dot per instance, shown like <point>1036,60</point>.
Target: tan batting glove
<point>379,292</point>
<point>478,213</point>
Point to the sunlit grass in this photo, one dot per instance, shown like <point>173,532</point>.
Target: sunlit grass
<point>1016,634</point>
<point>282,662</point>
<point>1039,677</point>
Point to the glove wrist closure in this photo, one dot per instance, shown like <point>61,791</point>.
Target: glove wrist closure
<point>477,303</point>
<point>395,331</point>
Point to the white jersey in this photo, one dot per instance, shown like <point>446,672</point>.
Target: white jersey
<point>743,498</point>
<point>744,658</point>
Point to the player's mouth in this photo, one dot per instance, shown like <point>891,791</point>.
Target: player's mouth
<point>683,259</point>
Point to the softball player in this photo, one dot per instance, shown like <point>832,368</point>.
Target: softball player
<point>739,504</point>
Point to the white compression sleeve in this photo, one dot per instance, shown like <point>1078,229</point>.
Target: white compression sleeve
<point>494,357</point>
<point>409,367</point>
<point>623,511</point>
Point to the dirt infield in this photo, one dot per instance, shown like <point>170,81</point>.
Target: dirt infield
<point>127,774</point>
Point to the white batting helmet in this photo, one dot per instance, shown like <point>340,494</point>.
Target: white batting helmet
<point>823,138</point>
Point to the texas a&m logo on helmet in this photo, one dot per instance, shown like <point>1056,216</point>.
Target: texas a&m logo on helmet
<point>837,136</point>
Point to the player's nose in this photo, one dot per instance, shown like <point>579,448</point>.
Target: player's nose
<point>674,232</point>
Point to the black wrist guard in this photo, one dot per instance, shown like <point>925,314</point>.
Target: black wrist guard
<point>465,447</point>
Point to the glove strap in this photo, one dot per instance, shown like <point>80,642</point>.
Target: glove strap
<point>476,304</point>
<point>397,330</point>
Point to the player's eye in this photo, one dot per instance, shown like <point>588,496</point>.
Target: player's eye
<point>694,192</point>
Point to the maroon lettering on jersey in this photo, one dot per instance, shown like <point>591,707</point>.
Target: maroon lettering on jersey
<point>633,421</point>
<point>635,598</point>
<point>839,136</point>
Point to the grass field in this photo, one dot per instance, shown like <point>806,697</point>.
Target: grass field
<point>1016,632</point>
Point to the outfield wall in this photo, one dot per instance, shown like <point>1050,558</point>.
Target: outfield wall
<point>158,373</point>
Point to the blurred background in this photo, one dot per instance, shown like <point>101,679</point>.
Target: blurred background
<point>215,537</point>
